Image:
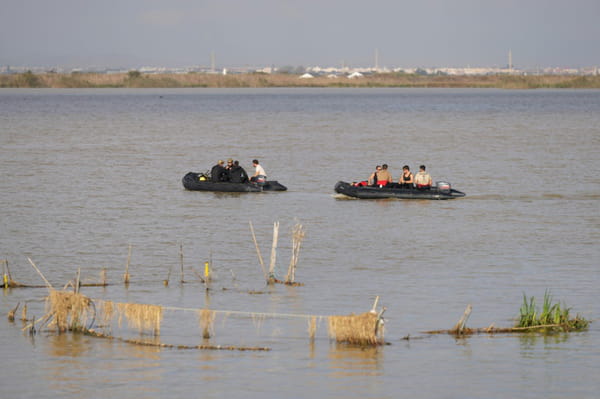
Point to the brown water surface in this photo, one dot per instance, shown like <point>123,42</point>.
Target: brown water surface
<point>85,173</point>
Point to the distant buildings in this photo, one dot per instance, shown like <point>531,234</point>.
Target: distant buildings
<point>313,71</point>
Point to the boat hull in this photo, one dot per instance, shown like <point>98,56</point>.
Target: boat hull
<point>367,192</point>
<point>191,181</point>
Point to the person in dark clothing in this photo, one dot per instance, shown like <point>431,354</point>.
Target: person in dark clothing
<point>237,174</point>
<point>218,173</point>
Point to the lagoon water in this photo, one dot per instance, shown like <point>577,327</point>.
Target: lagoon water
<point>86,173</point>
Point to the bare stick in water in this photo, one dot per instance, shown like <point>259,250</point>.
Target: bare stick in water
<point>460,325</point>
<point>260,259</point>
<point>181,261</point>
<point>274,249</point>
<point>50,287</point>
<point>126,275</point>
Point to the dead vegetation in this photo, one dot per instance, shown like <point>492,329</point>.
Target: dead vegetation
<point>362,329</point>
<point>255,80</point>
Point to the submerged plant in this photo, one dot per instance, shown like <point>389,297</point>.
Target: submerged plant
<point>552,315</point>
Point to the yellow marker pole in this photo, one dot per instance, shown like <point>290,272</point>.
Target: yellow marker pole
<point>206,270</point>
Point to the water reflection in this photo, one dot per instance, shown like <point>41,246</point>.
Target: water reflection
<point>535,345</point>
<point>347,360</point>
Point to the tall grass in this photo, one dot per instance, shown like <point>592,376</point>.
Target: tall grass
<point>250,80</point>
<point>551,315</point>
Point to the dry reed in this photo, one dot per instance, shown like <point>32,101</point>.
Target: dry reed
<point>70,311</point>
<point>145,318</point>
<point>250,80</point>
<point>106,311</point>
<point>298,234</point>
<point>312,327</point>
<point>362,329</point>
<point>207,319</point>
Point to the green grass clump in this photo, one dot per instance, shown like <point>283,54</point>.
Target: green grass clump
<point>552,315</point>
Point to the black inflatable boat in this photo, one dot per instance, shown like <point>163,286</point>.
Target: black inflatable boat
<point>441,191</point>
<point>199,182</point>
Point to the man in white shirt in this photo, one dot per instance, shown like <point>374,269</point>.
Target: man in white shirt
<point>259,173</point>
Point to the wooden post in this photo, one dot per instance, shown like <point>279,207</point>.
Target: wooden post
<point>260,258</point>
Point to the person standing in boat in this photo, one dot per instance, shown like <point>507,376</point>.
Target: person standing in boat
<point>237,174</point>
<point>407,178</point>
<point>259,173</point>
<point>218,173</point>
<point>384,176</point>
<point>423,179</point>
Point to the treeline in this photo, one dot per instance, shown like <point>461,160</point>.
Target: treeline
<point>136,79</point>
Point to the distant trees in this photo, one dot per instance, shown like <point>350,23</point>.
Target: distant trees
<point>288,69</point>
<point>134,74</point>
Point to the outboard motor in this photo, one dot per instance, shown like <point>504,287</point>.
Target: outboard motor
<point>443,187</point>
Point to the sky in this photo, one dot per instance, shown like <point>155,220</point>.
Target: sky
<point>415,33</point>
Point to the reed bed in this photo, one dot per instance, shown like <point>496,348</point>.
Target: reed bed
<point>254,80</point>
<point>552,318</point>
<point>145,318</point>
<point>70,311</point>
<point>552,315</point>
<point>363,329</point>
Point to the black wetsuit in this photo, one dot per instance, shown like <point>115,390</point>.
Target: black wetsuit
<point>237,174</point>
<point>218,174</point>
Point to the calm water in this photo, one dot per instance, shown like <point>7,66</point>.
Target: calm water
<point>85,173</point>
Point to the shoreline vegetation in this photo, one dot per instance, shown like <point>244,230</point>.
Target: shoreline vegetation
<point>136,79</point>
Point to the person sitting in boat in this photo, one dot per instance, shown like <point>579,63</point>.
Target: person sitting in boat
<point>218,173</point>
<point>237,174</point>
<point>384,176</point>
<point>372,179</point>
<point>407,178</point>
<point>423,179</point>
<point>259,175</point>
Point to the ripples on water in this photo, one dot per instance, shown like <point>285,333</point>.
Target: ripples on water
<point>88,172</point>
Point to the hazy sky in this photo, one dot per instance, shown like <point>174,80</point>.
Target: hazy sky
<point>174,33</point>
